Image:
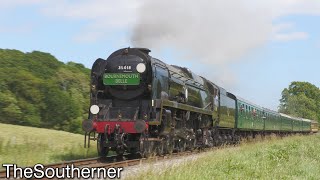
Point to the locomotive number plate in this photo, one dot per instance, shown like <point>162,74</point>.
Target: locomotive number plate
<point>121,79</point>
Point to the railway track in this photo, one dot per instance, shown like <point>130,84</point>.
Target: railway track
<point>109,162</point>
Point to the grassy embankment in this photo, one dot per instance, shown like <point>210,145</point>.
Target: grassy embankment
<point>296,157</point>
<point>27,146</point>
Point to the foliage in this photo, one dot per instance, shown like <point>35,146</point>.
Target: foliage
<point>38,90</point>
<point>301,99</point>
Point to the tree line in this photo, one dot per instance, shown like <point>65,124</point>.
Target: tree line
<point>38,90</point>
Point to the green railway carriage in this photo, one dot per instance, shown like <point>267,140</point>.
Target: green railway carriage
<point>306,125</point>
<point>272,120</point>
<point>296,125</point>
<point>250,116</point>
<point>287,123</point>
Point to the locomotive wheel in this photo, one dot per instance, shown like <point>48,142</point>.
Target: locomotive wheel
<point>147,149</point>
<point>250,137</point>
<point>102,151</point>
<point>192,144</point>
<point>225,139</point>
<point>218,140</point>
<point>160,148</point>
<point>238,139</point>
<point>229,139</point>
<point>120,151</point>
<point>182,145</point>
<point>169,146</point>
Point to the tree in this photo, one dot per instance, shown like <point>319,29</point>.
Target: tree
<point>301,99</point>
<point>10,110</point>
<point>38,90</point>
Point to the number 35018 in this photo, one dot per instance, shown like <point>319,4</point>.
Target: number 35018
<point>124,67</point>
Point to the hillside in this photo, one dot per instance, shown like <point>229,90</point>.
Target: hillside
<point>28,145</point>
<point>38,90</point>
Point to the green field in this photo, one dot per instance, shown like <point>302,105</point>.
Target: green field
<point>27,146</point>
<point>295,157</point>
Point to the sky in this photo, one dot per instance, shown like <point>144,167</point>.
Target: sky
<point>251,48</point>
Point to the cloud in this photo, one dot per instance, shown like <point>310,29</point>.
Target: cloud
<point>113,12</point>
<point>285,32</point>
<point>6,5</point>
<point>282,27</point>
<point>103,17</point>
<point>290,36</point>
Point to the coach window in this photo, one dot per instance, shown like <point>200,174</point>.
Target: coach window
<point>242,108</point>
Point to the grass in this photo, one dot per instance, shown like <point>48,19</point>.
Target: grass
<point>26,146</point>
<point>295,157</point>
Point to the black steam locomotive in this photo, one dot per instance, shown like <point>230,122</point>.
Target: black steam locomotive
<point>140,104</point>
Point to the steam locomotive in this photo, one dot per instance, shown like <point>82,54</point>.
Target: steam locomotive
<point>140,104</point>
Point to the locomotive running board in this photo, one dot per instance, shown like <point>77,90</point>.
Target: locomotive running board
<point>166,103</point>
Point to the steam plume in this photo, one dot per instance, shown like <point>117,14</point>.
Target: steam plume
<point>211,31</point>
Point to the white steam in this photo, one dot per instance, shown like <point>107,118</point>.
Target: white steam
<point>216,33</point>
<point>211,31</point>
